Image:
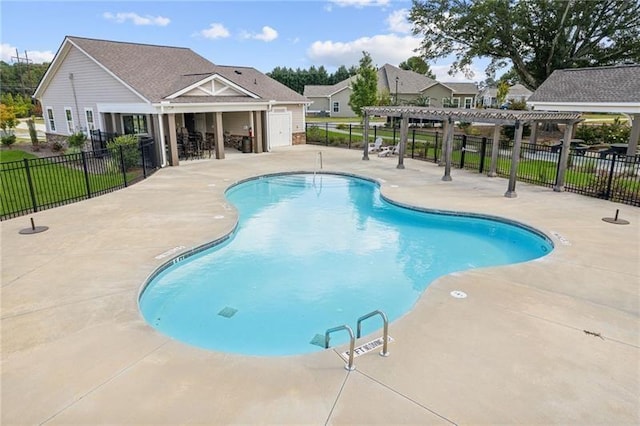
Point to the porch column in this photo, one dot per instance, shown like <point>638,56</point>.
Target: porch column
<point>447,146</point>
<point>495,148</point>
<point>173,140</point>
<point>404,131</point>
<point>515,159</point>
<point>257,132</point>
<point>219,136</point>
<point>564,157</point>
<point>632,149</point>
<point>163,142</point>
<point>114,125</point>
<point>365,137</point>
<point>252,130</point>
<point>533,137</point>
<point>445,130</point>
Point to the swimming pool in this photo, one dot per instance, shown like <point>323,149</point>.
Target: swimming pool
<point>311,252</point>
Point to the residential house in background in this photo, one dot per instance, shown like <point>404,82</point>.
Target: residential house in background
<point>609,89</point>
<point>517,92</point>
<point>404,87</point>
<point>158,91</point>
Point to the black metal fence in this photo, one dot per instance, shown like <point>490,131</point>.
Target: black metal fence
<point>602,174</point>
<point>31,185</point>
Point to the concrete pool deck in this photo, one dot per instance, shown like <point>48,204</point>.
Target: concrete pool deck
<point>551,341</point>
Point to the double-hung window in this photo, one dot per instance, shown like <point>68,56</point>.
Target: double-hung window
<point>51,119</point>
<point>68,113</point>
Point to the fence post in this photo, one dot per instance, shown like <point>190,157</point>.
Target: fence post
<point>326,134</point>
<point>463,150</point>
<point>34,203</point>
<point>144,165</point>
<point>394,131</point>
<point>349,135</point>
<point>435,149</point>
<point>413,141</point>
<point>483,152</point>
<point>610,179</point>
<point>86,173</point>
<point>122,165</point>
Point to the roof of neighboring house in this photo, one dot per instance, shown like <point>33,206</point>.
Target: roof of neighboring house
<point>462,88</point>
<point>591,85</point>
<point>408,82</point>
<point>156,72</point>
<point>517,90</point>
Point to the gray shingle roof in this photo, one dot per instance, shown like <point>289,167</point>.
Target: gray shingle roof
<point>591,85</point>
<point>159,71</point>
<point>517,90</point>
<point>409,82</point>
<point>462,88</point>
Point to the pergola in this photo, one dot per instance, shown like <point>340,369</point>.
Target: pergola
<point>448,116</point>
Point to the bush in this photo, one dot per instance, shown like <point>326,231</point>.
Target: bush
<point>8,140</point>
<point>342,126</point>
<point>509,132</point>
<point>57,147</point>
<point>616,132</point>
<point>77,140</point>
<point>128,145</point>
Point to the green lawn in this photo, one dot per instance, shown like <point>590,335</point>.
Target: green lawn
<point>55,180</point>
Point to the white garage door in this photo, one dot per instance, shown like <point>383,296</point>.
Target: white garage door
<point>279,129</point>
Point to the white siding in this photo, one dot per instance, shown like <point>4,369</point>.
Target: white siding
<point>93,85</point>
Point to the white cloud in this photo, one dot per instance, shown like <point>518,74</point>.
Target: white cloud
<point>215,31</point>
<point>360,3</point>
<point>389,48</point>
<point>267,34</point>
<point>122,17</point>
<point>398,22</point>
<point>35,56</point>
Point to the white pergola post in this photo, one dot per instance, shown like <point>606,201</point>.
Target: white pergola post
<point>447,146</point>
<point>533,137</point>
<point>404,131</point>
<point>564,157</point>
<point>515,159</point>
<point>632,149</point>
<point>495,148</point>
<point>365,137</point>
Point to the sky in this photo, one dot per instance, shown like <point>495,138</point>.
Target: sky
<point>261,34</point>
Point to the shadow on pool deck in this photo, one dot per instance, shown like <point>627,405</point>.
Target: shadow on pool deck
<point>555,340</point>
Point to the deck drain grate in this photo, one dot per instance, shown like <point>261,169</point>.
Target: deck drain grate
<point>318,340</point>
<point>227,312</point>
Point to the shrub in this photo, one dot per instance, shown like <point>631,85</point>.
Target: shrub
<point>509,132</point>
<point>57,146</point>
<point>128,145</point>
<point>8,140</point>
<point>616,132</point>
<point>342,126</point>
<point>77,140</point>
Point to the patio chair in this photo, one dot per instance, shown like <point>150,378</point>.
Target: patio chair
<point>376,145</point>
<point>389,150</point>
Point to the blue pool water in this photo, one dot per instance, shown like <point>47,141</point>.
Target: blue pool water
<point>314,252</point>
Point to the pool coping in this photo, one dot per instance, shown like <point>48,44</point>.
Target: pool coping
<point>76,350</point>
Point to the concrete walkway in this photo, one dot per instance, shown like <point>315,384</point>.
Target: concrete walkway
<point>552,341</point>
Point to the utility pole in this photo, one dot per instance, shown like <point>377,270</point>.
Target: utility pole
<point>19,60</point>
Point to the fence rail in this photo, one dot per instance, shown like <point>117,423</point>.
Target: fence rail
<point>603,174</point>
<point>32,185</point>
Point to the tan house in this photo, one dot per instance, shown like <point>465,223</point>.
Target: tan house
<point>404,87</point>
<point>163,92</point>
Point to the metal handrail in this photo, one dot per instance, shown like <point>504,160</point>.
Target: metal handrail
<point>385,330</point>
<point>352,343</point>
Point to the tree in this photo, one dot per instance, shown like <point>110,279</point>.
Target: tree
<point>417,64</point>
<point>535,36</point>
<point>502,92</point>
<point>364,90</point>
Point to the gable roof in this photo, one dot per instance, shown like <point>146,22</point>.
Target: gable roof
<point>462,88</point>
<point>591,85</point>
<point>326,90</point>
<point>156,72</point>
<point>517,90</point>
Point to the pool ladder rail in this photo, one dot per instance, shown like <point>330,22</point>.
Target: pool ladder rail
<point>352,339</point>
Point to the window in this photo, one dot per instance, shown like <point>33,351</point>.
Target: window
<point>52,121</point>
<point>134,124</point>
<point>336,107</point>
<point>88,112</point>
<point>455,102</point>
<point>468,102</point>
<point>69,116</point>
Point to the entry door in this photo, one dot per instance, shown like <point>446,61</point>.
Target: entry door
<point>279,129</point>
